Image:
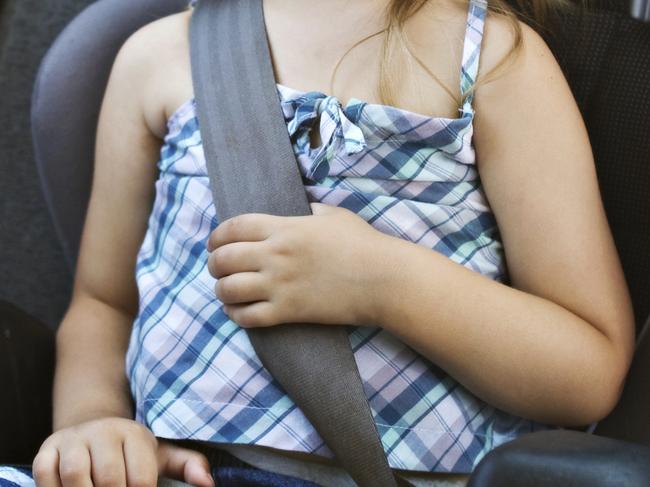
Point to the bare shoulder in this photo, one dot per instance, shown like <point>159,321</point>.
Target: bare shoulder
<point>526,96</point>
<point>503,70</point>
<point>155,59</point>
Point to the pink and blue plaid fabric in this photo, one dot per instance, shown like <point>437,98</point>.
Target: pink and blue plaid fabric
<point>193,371</point>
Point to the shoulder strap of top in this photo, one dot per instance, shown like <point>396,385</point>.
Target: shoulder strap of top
<point>472,49</point>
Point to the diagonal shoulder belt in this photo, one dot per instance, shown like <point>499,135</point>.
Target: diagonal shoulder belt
<point>236,94</point>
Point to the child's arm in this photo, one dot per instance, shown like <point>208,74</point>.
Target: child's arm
<point>554,347</point>
<point>557,345</point>
<point>96,442</point>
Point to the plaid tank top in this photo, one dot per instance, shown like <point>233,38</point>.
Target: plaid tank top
<point>193,372</point>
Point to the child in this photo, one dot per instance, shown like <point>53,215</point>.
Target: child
<point>407,187</point>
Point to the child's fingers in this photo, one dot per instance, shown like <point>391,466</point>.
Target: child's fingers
<point>140,462</point>
<point>197,472</point>
<point>243,287</point>
<point>107,462</point>
<point>45,468</point>
<point>252,315</point>
<point>74,466</point>
<point>250,227</point>
<point>235,257</point>
<point>184,464</point>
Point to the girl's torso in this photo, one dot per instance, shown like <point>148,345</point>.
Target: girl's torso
<point>193,372</point>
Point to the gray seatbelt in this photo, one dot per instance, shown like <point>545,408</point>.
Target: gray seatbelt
<point>252,168</point>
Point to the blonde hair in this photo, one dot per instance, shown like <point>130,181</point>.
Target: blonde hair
<point>396,46</point>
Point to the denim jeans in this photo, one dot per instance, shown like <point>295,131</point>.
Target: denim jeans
<point>229,471</point>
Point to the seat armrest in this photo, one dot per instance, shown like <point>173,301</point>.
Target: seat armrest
<point>563,458</point>
<point>26,372</point>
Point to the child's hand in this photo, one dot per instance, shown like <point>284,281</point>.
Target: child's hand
<point>326,268</point>
<point>115,452</point>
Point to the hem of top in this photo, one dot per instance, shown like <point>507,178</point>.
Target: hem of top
<point>289,450</point>
<point>279,411</point>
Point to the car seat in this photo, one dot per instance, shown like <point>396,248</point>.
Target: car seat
<point>606,58</point>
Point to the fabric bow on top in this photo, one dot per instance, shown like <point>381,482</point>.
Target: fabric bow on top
<point>337,131</point>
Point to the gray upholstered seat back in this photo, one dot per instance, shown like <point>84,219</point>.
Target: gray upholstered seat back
<point>66,101</point>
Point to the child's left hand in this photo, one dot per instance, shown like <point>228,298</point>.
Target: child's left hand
<point>323,268</point>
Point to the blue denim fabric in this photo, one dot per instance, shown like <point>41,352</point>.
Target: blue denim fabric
<point>230,471</point>
<point>253,477</point>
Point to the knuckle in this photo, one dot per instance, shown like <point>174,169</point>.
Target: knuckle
<point>145,434</point>
<point>282,245</point>
<point>135,428</point>
<point>107,476</point>
<point>71,472</point>
<point>278,275</point>
<point>283,276</point>
<point>41,466</point>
